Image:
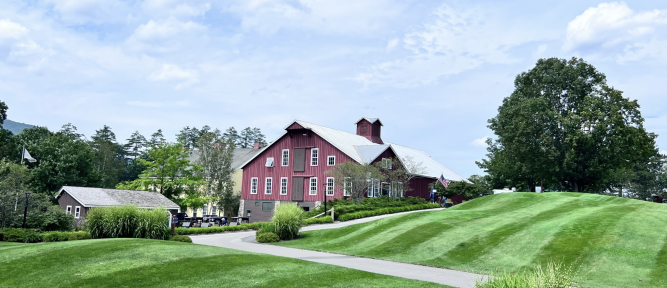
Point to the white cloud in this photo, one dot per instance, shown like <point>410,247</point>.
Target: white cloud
<point>176,8</point>
<point>172,73</point>
<point>392,44</point>
<point>479,142</point>
<point>11,31</point>
<point>450,42</point>
<point>90,11</point>
<point>340,16</point>
<point>166,36</point>
<point>615,30</point>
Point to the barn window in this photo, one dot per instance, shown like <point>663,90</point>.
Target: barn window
<point>285,160</point>
<point>269,185</point>
<point>253,185</point>
<point>314,154</point>
<point>386,163</point>
<point>331,160</point>
<point>269,162</point>
<point>283,185</point>
<point>69,210</point>
<point>347,189</point>
<point>77,212</point>
<point>313,186</point>
<point>267,206</point>
<point>330,186</point>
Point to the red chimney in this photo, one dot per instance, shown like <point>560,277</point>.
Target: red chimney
<point>257,145</point>
<point>370,128</point>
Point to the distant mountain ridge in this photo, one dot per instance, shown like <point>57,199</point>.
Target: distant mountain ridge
<point>15,127</point>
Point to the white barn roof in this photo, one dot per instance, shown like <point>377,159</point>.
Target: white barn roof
<point>364,151</point>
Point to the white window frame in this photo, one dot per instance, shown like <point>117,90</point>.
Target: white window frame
<point>376,188</point>
<point>314,159</point>
<point>346,183</point>
<point>285,158</point>
<point>329,160</point>
<point>270,162</point>
<point>311,191</point>
<point>68,211</point>
<point>331,185</point>
<point>386,163</point>
<point>254,181</point>
<point>369,192</point>
<point>204,211</point>
<point>77,212</point>
<point>268,185</point>
<point>283,185</point>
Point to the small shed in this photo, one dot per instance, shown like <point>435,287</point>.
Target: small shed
<point>78,200</point>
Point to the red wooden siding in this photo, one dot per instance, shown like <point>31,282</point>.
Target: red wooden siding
<point>257,168</point>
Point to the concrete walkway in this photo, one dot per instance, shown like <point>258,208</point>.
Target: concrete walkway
<point>246,241</point>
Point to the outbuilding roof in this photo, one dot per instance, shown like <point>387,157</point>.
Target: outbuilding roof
<point>96,197</point>
<point>362,150</point>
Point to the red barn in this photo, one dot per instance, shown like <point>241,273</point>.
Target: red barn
<point>292,168</point>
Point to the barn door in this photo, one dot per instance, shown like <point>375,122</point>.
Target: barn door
<point>297,188</point>
<point>299,160</point>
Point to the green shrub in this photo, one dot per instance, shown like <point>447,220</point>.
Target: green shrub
<point>128,221</point>
<point>20,235</point>
<point>381,211</point>
<point>267,237</point>
<point>80,235</point>
<point>321,220</point>
<point>196,231</point>
<point>555,275</point>
<point>287,220</point>
<point>342,206</point>
<point>181,238</point>
<point>56,236</point>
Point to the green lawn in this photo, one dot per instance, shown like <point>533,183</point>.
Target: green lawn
<point>153,263</point>
<point>610,241</point>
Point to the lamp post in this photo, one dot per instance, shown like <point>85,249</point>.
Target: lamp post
<point>325,196</point>
<point>25,212</point>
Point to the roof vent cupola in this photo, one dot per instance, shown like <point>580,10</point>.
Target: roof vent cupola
<point>370,128</point>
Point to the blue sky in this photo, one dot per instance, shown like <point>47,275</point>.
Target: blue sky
<point>434,72</point>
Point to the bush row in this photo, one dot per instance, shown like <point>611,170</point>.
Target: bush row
<point>344,206</point>
<point>321,220</point>
<point>196,231</point>
<point>381,211</point>
<point>34,236</point>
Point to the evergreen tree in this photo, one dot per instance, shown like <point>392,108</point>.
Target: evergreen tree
<point>109,159</point>
<point>157,139</point>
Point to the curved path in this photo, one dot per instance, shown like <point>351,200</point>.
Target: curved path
<point>246,241</point>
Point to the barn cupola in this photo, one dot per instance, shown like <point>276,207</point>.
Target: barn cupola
<point>370,128</point>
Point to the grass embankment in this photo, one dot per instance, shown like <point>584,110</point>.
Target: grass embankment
<point>609,241</point>
<point>155,263</point>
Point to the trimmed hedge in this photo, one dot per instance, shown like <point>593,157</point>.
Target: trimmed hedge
<point>343,206</point>
<point>267,237</point>
<point>21,235</point>
<point>197,231</point>
<point>382,211</point>
<point>321,220</point>
<point>181,238</point>
<point>57,236</point>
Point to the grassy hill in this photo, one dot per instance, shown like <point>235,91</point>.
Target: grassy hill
<point>610,241</point>
<point>154,263</point>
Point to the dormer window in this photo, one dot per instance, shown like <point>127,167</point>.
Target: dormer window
<point>386,163</point>
<point>269,162</point>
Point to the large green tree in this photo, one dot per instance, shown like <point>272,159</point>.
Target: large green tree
<point>108,161</point>
<point>62,159</point>
<point>565,126</point>
<point>215,157</point>
<point>168,171</point>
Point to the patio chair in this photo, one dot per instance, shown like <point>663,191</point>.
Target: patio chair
<point>186,225</point>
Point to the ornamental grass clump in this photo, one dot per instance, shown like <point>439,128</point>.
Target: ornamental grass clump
<point>287,221</point>
<point>555,275</point>
<point>128,222</point>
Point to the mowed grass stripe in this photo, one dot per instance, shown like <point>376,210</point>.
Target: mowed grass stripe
<point>478,246</point>
<point>153,263</point>
<point>414,236</point>
<point>659,273</point>
<point>573,243</point>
